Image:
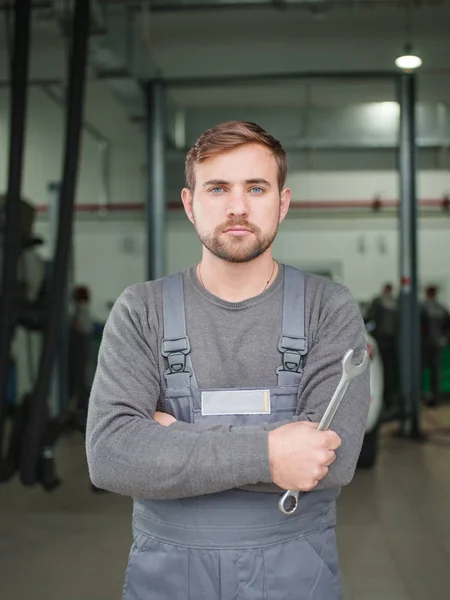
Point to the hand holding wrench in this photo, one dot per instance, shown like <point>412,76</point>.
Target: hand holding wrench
<point>349,372</point>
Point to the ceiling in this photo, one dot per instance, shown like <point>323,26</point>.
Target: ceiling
<point>133,44</point>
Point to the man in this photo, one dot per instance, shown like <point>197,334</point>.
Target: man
<point>209,388</point>
<point>384,313</point>
<point>435,326</point>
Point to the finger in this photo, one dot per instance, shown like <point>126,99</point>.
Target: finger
<point>333,440</point>
<point>309,487</point>
<point>331,458</point>
<point>163,418</point>
<point>323,473</point>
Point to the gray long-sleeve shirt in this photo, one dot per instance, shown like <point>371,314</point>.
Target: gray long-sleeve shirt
<point>232,345</point>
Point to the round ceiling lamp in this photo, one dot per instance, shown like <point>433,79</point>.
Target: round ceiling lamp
<point>408,61</point>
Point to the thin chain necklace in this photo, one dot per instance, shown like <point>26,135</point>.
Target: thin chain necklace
<point>265,287</point>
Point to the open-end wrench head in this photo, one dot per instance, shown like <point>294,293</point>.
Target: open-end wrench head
<point>352,370</point>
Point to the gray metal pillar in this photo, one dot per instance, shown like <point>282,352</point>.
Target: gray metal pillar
<point>410,371</point>
<point>156,180</point>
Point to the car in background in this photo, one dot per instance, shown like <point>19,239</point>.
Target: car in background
<point>369,451</point>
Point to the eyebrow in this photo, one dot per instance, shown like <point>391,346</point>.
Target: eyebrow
<point>257,180</point>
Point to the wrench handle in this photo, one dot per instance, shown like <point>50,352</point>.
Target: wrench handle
<point>292,495</point>
<point>334,404</point>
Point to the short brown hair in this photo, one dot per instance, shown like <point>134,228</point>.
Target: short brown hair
<point>230,135</point>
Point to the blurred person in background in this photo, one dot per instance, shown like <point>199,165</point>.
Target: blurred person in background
<point>383,312</point>
<point>435,332</point>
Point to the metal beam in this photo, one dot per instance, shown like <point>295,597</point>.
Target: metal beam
<point>156,180</point>
<point>214,80</point>
<point>179,5</point>
<point>11,237</point>
<point>410,371</point>
<point>203,5</point>
<point>333,146</point>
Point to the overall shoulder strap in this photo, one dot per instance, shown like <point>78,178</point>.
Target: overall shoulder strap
<point>175,343</point>
<point>293,343</point>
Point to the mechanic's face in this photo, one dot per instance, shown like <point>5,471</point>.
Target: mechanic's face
<point>236,206</point>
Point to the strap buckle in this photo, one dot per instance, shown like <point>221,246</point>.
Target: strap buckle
<point>299,345</point>
<point>175,345</point>
<point>177,362</point>
<point>293,350</point>
<point>291,361</point>
<point>175,350</point>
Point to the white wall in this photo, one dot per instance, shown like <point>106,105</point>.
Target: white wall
<point>364,185</point>
<point>364,251</point>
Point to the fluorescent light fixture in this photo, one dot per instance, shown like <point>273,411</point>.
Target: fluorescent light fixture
<point>390,106</point>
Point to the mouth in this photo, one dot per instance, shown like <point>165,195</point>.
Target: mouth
<point>237,231</point>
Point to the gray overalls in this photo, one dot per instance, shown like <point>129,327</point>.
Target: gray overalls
<point>234,545</point>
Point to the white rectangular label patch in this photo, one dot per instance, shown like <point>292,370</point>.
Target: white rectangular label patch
<point>236,402</point>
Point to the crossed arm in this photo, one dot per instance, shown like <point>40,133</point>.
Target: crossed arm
<point>130,452</point>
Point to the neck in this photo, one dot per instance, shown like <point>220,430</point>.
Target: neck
<point>235,282</point>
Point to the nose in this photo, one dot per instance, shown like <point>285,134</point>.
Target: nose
<point>238,204</point>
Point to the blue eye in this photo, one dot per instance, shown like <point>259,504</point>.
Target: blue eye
<point>257,190</point>
<point>216,190</point>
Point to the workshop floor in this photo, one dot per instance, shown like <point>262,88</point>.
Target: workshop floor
<point>393,532</point>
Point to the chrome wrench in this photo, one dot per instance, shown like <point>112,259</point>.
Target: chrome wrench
<point>349,372</point>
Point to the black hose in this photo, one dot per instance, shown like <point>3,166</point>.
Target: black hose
<point>74,117</point>
<point>12,237</point>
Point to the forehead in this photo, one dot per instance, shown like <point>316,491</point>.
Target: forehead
<point>250,161</point>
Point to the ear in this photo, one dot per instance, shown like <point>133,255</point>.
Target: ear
<point>186,197</point>
<point>284,203</point>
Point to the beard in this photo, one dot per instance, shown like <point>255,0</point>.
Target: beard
<point>237,249</point>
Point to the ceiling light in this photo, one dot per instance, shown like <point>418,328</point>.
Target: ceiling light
<point>408,61</point>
